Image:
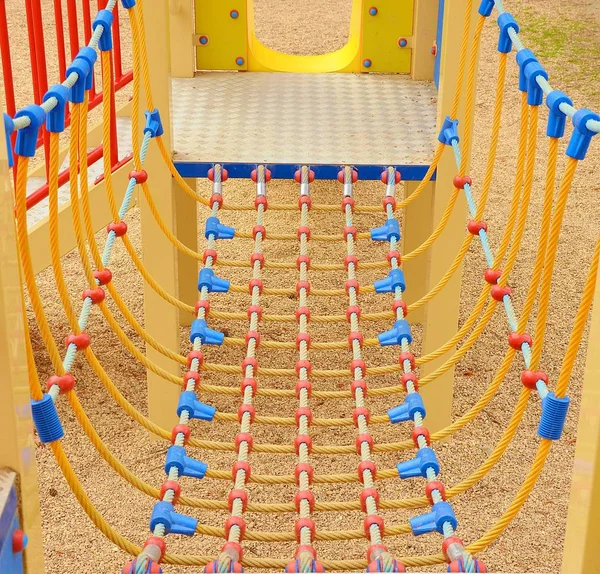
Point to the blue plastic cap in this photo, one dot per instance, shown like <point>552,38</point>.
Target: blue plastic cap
<point>389,229</point>
<point>9,128</point>
<point>196,409</point>
<point>207,336</point>
<point>395,278</point>
<point>554,414</point>
<point>82,68</point>
<point>417,466</point>
<point>505,23</point>
<point>186,466</point>
<point>441,512</point>
<point>46,420</point>
<point>400,330</point>
<point>535,95</point>
<point>153,124</point>
<point>127,4</point>
<point>104,18</point>
<point>486,7</point>
<point>524,57</point>
<point>217,229</point>
<point>27,137</point>
<point>55,119</point>
<point>449,132</point>
<point>214,284</point>
<point>581,136</point>
<point>174,523</point>
<point>557,119</point>
<point>413,404</point>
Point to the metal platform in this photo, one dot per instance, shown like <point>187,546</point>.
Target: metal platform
<point>327,119</point>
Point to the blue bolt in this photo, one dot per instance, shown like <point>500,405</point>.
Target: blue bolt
<point>240,61</point>
<point>204,40</point>
<point>234,14</point>
<point>367,63</point>
<point>373,11</point>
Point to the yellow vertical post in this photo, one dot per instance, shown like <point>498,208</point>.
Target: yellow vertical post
<point>424,32</point>
<point>17,449</point>
<point>582,538</point>
<point>181,25</point>
<point>441,321</point>
<point>160,257</point>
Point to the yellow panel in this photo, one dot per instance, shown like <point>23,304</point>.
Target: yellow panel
<point>226,35</point>
<point>381,32</point>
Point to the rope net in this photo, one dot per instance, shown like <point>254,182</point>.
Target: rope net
<point>348,382</point>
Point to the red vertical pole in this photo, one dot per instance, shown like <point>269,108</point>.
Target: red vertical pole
<point>117,45</point>
<point>73,29</point>
<point>87,34</point>
<point>60,40</point>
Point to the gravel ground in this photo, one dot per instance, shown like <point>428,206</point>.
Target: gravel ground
<point>533,542</point>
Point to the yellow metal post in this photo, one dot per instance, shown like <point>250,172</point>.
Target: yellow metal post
<point>17,449</point>
<point>181,25</point>
<point>582,538</point>
<point>424,32</point>
<point>161,318</point>
<point>441,321</point>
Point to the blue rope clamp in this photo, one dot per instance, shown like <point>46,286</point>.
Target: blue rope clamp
<point>400,330</point>
<point>419,464</point>
<point>46,420</point>
<point>441,512</point>
<point>207,336</point>
<point>186,466</point>
<point>554,414</point>
<point>9,128</point>
<point>127,4</point>
<point>535,94</point>
<point>413,404</point>
<point>214,284</point>
<point>449,132</point>
<point>506,21</point>
<point>196,409</point>
<point>217,229</point>
<point>27,137</point>
<point>557,119</point>
<point>56,118</point>
<point>395,278</point>
<point>581,136</point>
<point>524,58</point>
<point>174,523</point>
<point>81,67</point>
<point>90,56</point>
<point>153,124</point>
<point>486,7</point>
<point>105,19</point>
<point>390,229</point>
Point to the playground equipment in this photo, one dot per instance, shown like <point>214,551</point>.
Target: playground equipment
<point>169,152</point>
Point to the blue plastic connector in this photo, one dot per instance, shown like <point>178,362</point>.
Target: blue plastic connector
<point>395,278</point>
<point>413,404</point>
<point>174,523</point>
<point>82,68</point>
<point>214,284</point>
<point>554,413</point>
<point>581,136</point>
<point>417,466</point>
<point>217,229</point>
<point>104,18</point>
<point>486,7</point>
<point>535,95</point>
<point>90,56</point>
<point>186,466</point>
<point>27,137</point>
<point>56,118</point>
<point>505,23</point>
<point>557,119</point>
<point>127,4</point>
<point>207,336</point>
<point>153,124</point>
<point>449,132</point>
<point>441,512</point>
<point>196,409</point>
<point>400,330</point>
<point>389,229</point>
<point>46,420</point>
<point>9,128</point>
<point>524,58</point>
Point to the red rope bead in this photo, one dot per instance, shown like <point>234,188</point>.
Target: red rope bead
<point>434,485</point>
<point>461,180</point>
<point>241,465</point>
<point>394,255</point>
<point>261,200</point>
<point>303,385</point>
<point>257,257</point>
<point>347,201</point>
<point>159,542</point>
<point>371,521</point>
<point>246,409</point>
<point>216,198</point>
<point>259,229</point>
<point>407,356</point>
<point>397,177</point>
<point>253,335</point>
<point>202,304</point>
<point>249,382</point>
<point>304,495</point>
<point>302,311</point>
<point>303,259</point>
<point>255,309</point>
<point>366,493</point>
<point>351,283</point>
<point>358,384</point>
<point>409,377</point>
<point>305,199</point>
<point>304,230</point>
<point>492,275</point>
<point>352,310</point>
<point>421,431</point>
<point>358,364</point>
<point>303,285</point>
<point>255,283</point>
<point>64,382</point>
<point>185,430</point>
<point>235,521</point>
<point>171,485</point>
<point>355,337</point>
<point>244,437</point>
<point>360,411</point>
<point>375,549</point>
<point>235,494</point>
<point>389,200</point>
<point>303,337</point>
<point>400,305</point>
<point>303,439</point>
<point>303,364</point>
<point>498,293</point>
<point>350,230</point>
<point>530,378</point>
<point>191,376</point>
<point>360,439</point>
<point>304,412</point>
<point>366,465</point>
<point>254,175</point>
<point>298,176</point>
<point>448,542</point>
<point>140,175</point>
<point>250,362</point>
<point>304,467</point>
<point>81,341</point>
<point>516,340</point>
<point>96,295</point>
<point>209,253</point>
<point>304,523</point>
<point>103,276</point>
<point>475,227</point>
<point>235,550</point>
<point>351,259</point>
<point>119,228</point>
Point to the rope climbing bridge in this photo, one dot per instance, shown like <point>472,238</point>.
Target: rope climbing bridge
<point>369,383</point>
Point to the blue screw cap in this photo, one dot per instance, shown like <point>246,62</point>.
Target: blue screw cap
<point>449,132</point>
<point>217,229</point>
<point>105,19</point>
<point>413,404</point>
<point>535,95</point>
<point>153,123</point>
<point>186,466</point>
<point>395,278</point>
<point>207,336</point>
<point>441,512</point>
<point>214,284</point>
<point>554,414</point>
<point>557,119</point>
<point>400,330</point>
<point>56,118</point>
<point>27,137</point>
<point>234,14</point>
<point>417,466</point>
<point>174,523</point>
<point>367,63</point>
<point>9,128</point>
<point>506,21</point>
<point>196,409</point>
<point>581,136</point>
<point>486,7</point>
<point>82,68</point>
<point>46,420</point>
<point>524,58</point>
<point>389,229</point>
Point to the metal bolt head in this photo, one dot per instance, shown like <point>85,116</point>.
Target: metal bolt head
<point>234,14</point>
<point>240,61</point>
<point>373,11</point>
<point>402,42</point>
<point>367,63</point>
<point>203,40</point>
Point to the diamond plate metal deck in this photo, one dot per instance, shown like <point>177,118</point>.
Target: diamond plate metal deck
<point>366,119</point>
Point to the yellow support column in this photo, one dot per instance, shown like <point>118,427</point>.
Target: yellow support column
<point>582,538</point>
<point>161,319</point>
<point>424,32</point>
<point>441,321</point>
<point>181,25</point>
<point>17,449</point>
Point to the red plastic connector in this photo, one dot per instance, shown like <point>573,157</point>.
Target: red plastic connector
<point>191,376</point>
<point>241,465</point>
<point>366,465</point>
<point>389,200</point>
<point>421,431</point>
<point>171,485</point>
<point>64,382</point>
<point>303,439</point>
<point>372,521</point>
<point>492,275</point>
<point>303,259</point>
<point>159,542</point>
<point>366,493</point>
<point>347,201</point>
<point>305,199</point>
<point>353,309</point>
<point>237,493</point>
<point>409,377</point>
<point>81,341</point>
<point>298,176</point>
<point>244,437</point>
<point>349,230</point>
<point>342,176</point>
<point>303,229</point>
<point>250,362</point>
<point>498,293</point>
<point>103,276</point>
<point>216,198</point>
<point>255,309</point>
<point>448,542</point>
<point>255,283</point>
<point>253,335</point>
<point>304,523</point>
<point>304,467</point>
<point>400,305</point>
<point>407,356</point>
<point>360,411</point>
<point>393,254</point>
<point>358,364</point>
<point>303,337</point>
<point>461,180</point>
<point>261,200</point>
<point>246,409</point>
<point>202,304</point>
<point>303,285</point>
<point>249,382</point>
<point>140,175</point>
<point>360,439</point>
<point>352,284</point>
<point>235,521</point>
<point>259,229</point>
<point>303,365</point>
<point>235,550</point>
<point>516,340</point>
<point>224,174</point>
<point>199,355</point>
<point>304,412</point>
<point>530,378</point>
<point>303,385</point>
<point>254,175</point>
<point>302,311</point>
<point>435,485</point>
<point>351,259</point>
<point>397,177</point>
<point>96,295</point>
<point>209,253</point>
<point>304,495</point>
<point>474,227</point>
<point>355,337</point>
<point>119,229</point>
<point>185,430</point>
<point>358,384</point>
